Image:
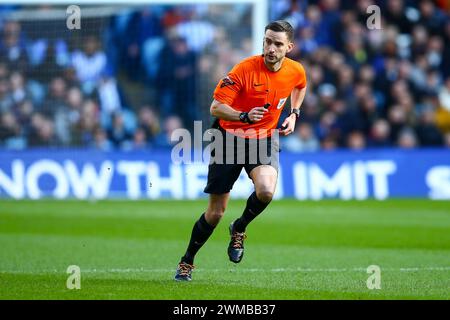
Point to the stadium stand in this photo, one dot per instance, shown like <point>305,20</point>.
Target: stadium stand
<point>129,80</point>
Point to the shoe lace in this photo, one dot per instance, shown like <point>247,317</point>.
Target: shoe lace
<point>185,268</point>
<point>238,239</point>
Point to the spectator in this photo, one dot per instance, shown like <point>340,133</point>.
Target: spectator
<point>89,63</point>
<point>19,92</point>
<point>163,140</point>
<point>198,33</point>
<point>23,114</point>
<point>447,140</point>
<point>110,96</point>
<point>48,69</point>
<point>443,111</point>
<point>427,132</point>
<point>13,48</point>
<point>74,101</point>
<point>395,14</point>
<point>56,97</point>
<point>329,143</point>
<point>407,139</point>
<point>140,140</point>
<point>356,140</point>
<point>148,122</point>
<point>177,77</point>
<point>6,100</point>
<point>380,134</point>
<point>118,134</point>
<point>309,43</point>
<point>326,125</point>
<point>431,17</point>
<point>84,129</point>
<point>398,119</point>
<point>9,127</point>
<point>330,19</point>
<point>303,140</point>
<point>142,44</point>
<point>42,132</point>
<point>101,141</point>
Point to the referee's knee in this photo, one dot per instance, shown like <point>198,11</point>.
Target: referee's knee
<point>214,215</point>
<point>264,196</point>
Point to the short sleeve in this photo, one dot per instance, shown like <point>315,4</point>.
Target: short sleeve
<point>302,78</point>
<point>229,87</point>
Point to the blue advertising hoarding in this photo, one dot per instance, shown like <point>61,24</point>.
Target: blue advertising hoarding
<point>88,174</point>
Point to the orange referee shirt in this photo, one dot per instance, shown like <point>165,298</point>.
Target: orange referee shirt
<point>251,84</point>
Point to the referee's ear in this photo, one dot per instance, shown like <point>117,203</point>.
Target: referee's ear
<point>290,47</point>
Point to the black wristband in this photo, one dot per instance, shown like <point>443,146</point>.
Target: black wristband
<point>243,117</point>
<point>296,112</point>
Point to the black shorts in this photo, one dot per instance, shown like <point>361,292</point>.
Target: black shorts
<point>226,163</point>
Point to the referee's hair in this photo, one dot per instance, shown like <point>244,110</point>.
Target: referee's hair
<point>281,26</point>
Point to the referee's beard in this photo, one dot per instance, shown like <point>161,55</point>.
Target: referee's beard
<point>272,62</point>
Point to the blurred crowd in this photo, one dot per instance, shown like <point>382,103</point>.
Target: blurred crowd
<point>371,88</point>
<point>128,80</point>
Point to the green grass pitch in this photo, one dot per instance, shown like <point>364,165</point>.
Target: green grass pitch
<point>295,250</point>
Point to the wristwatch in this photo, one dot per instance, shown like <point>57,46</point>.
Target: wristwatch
<point>296,111</point>
<point>243,117</point>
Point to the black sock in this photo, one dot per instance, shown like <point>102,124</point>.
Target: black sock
<point>253,208</point>
<point>200,233</point>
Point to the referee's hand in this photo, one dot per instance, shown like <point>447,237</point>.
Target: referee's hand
<point>256,114</point>
<point>288,125</point>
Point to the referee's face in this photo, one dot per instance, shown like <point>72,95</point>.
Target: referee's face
<point>276,46</point>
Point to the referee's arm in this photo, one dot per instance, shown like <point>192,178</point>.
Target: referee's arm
<point>297,97</point>
<point>223,111</point>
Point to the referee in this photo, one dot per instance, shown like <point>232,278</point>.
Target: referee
<point>248,104</point>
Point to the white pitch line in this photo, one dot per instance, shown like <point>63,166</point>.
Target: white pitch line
<point>250,270</point>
